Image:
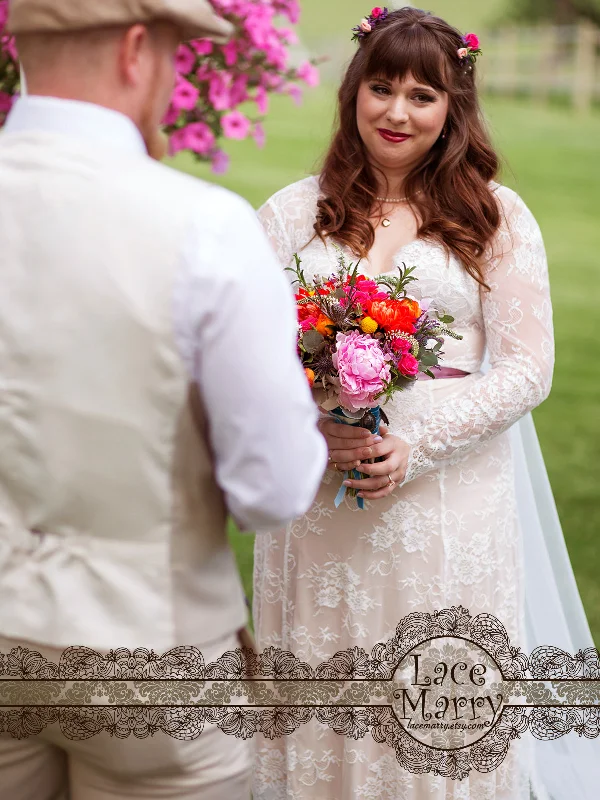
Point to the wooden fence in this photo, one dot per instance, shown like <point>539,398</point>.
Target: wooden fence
<point>540,61</point>
<point>543,62</point>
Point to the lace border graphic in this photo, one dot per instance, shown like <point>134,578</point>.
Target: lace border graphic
<point>550,693</point>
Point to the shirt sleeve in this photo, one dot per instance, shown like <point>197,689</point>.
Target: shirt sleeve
<point>517,316</point>
<point>236,323</point>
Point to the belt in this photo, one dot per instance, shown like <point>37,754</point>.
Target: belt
<point>443,372</point>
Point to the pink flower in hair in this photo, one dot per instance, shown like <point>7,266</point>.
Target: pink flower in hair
<point>471,40</point>
<point>377,12</point>
<point>463,52</point>
<point>365,26</point>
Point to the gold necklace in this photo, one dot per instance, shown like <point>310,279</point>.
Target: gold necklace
<point>386,222</point>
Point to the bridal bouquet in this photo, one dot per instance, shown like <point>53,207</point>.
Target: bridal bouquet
<point>362,339</point>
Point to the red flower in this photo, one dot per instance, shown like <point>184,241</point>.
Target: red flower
<point>392,315</point>
<point>377,12</point>
<point>412,306</point>
<point>471,40</point>
<point>408,365</point>
<point>307,310</point>
<point>401,346</point>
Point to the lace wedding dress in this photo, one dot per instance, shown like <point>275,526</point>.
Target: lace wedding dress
<point>449,535</point>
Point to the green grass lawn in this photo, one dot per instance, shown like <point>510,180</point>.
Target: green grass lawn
<point>551,158</point>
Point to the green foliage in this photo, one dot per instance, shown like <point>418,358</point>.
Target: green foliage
<point>396,285</point>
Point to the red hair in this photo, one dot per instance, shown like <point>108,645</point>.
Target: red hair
<point>450,189</point>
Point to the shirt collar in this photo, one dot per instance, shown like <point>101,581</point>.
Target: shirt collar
<point>75,118</point>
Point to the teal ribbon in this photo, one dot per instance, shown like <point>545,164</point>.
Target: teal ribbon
<point>353,474</point>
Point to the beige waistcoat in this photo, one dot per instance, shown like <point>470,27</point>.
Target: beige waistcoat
<point>112,527</point>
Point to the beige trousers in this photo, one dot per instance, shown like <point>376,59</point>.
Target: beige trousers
<point>50,767</point>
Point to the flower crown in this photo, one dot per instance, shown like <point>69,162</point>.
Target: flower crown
<point>366,25</point>
<point>471,50</point>
<point>467,55</point>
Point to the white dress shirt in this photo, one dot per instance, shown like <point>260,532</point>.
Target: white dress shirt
<point>235,324</point>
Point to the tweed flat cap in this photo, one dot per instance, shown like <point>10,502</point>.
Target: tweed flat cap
<point>196,18</point>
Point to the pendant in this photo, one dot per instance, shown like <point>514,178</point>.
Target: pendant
<point>386,223</point>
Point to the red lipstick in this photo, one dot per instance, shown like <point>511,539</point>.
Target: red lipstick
<point>393,136</point>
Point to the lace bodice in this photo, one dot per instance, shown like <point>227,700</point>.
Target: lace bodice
<point>513,321</point>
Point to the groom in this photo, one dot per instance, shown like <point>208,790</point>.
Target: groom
<point>149,384</point>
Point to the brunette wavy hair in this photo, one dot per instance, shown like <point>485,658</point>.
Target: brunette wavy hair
<point>450,188</point>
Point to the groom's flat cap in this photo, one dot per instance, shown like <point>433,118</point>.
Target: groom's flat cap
<point>195,18</point>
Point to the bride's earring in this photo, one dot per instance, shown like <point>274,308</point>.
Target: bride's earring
<point>444,132</point>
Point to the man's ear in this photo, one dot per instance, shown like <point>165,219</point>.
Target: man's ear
<point>132,48</point>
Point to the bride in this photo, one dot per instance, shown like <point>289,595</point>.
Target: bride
<point>410,177</point>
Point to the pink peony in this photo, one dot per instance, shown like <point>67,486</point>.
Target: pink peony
<point>365,26</point>
<point>362,369</point>
<point>377,12</point>
<point>408,365</point>
<point>309,74</point>
<point>235,125</point>
<point>472,41</point>
<point>463,52</point>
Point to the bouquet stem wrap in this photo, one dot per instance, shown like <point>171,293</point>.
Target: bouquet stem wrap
<point>370,419</point>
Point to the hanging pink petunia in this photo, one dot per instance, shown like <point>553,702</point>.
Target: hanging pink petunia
<point>214,81</point>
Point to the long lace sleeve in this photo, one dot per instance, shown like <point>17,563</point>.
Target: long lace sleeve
<point>288,218</point>
<point>271,219</point>
<point>517,315</point>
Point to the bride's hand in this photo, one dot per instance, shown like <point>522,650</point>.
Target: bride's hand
<point>348,445</point>
<point>384,475</point>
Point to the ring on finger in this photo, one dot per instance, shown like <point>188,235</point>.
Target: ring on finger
<point>391,482</point>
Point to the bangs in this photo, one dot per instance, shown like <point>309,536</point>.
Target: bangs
<point>409,51</point>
